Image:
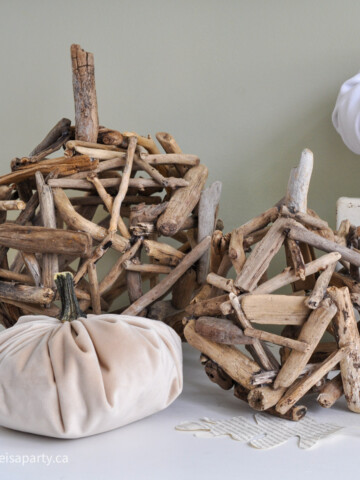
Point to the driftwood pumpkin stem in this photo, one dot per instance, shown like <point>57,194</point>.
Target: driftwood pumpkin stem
<point>70,309</point>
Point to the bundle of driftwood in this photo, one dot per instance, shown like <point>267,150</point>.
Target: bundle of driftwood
<point>226,312</point>
<point>145,194</point>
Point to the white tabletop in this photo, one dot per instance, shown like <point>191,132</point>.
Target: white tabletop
<point>153,449</point>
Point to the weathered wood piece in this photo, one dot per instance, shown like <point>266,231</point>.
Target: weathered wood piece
<point>319,290</point>
<point>222,283</point>
<point>163,253</point>
<point>165,284</point>
<point>311,333</point>
<point>208,306</point>
<point>275,309</point>
<point>183,290</point>
<point>86,111</point>
<point>123,187</point>
<point>221,331</point>
<point>300,388</point>
<point>94,289</point>
<point>237,365</point>
<point>276,339</point>
<point>207,211</point>
<point>300,233</point>
<point>25,293</point>
<point>299,182</point>
<point>347,335</point>
<point>236,249</point>
<point>77,222</point>
<point>183,201</point>
<point>260,258</point>
<point>217,375</point>
<point>12,205</point>
<point>331,392</point>
<point>297,259</point>
<point>50,264</point>
<point>257,345</point>
<point>45,240</point>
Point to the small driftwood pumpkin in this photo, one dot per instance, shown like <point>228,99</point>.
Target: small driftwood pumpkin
<point>81,375</point>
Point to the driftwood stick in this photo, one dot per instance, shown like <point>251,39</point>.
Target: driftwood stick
<point>170,145</point>
<point>237,365</point>
<point>217,375</point>
<point>133,279</point>
<point>150,268</point>
<point>165,284</point>
<point>33,267</point>
<point>12,205</point>
<point>57,136</point>
<point>289,275</point>
<point>50,264</point>
<point>300,388</point>
<point>26,293</point>
<point>183,201</point>
<point>260,258</point>
<point>170,182</point>
<point>319,290</point>
<point>112,276</point>
<point>222,283</point>
<point>297,259</point>
<point>295,414</point>
<point>331,392</point>
<point>16,277</point>
<point>99,251</point>
<point>221,331</point>
<point>77,222</point>
<point>145,213</point>
<point>183,289</point>
<point>311,333</point>
<point>347,334</point>
<point>299,181</point>
<point>83,185</point>
<point>94,289</point>
<point>208,206</point>
<point>123,188</point>
<point>50,310</point>
<point>146,142</point>
<point>171,159</point>
<point>263,398</point>
<point>208,306</point>
<point>300,233</point>
<point>259,222</point>
<point>276,339</point>
<point>286,277</point>
<point>236,249</point>
<point>45,240</point>
<point>163,253</point>
<point>66,167</point>
<point>86,111</point>
<point>305,219</point>
<point>257,345</point>
<point>108,202</point>
<point>275,309</point>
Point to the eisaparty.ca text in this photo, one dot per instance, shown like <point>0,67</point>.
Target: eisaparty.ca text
<point>33,459</point>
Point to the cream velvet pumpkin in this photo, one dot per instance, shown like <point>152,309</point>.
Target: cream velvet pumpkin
<point>77,378</point>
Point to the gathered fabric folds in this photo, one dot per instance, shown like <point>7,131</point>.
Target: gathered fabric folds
<point>88,376</point>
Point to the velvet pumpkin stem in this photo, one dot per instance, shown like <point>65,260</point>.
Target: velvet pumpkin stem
<point>70,309</point>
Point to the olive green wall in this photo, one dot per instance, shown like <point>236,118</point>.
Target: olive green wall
<point>244,84</point>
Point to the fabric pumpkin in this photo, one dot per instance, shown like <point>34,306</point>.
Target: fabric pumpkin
<point>77,378</point>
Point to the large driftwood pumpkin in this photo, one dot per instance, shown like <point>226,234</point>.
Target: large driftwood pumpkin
<point>120,214</point>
